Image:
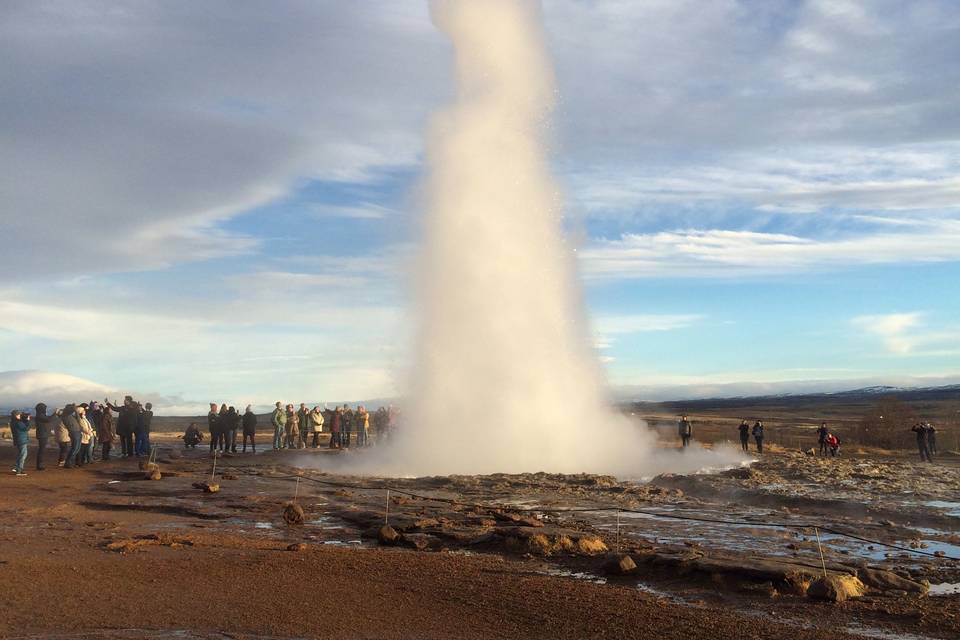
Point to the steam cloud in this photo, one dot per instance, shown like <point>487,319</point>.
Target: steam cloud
<point>505,379</point>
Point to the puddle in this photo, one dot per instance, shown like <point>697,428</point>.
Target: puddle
<point>951,508</point>
<point>576,575</point>
<point>882,634</point>
<point>945,589</point>
<point>263,525</point>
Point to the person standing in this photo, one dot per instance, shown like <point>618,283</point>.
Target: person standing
<point>223,426</point>
<point>279,422</point>
<point>20,428</point>
<point>316,425</point>
<point>744,429</point>
<point>95,415</point>
<point>362,418</point>
<point>43,424</point>
<point>346,426</point>
<point>336,420</point>
<point>923,443</point>
<point>758,435</point>
<point>292,428</point>
<point>685,430</point>
<point>62,436</point>
<point>212,417</point>
<point>249,429</point>
<point>931,440</point>
<point>303,418</point>
<point>146,424</point>
<point>126,423</point>
<point>822,434</point>
<point>86,437</point>
<point>105,434</point>
<point>72,423</point>
<point>233,425</point>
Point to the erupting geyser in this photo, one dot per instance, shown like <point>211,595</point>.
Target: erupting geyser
<point>505,378</point>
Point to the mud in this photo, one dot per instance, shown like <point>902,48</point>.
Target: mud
<point>486,539</point>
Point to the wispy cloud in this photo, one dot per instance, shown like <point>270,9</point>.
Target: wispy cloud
<point>727,253</point>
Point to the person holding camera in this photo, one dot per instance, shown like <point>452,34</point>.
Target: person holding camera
<point>20,426</point>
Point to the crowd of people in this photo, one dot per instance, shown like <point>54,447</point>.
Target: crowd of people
<point>77,430</point>
<point>291,428</point>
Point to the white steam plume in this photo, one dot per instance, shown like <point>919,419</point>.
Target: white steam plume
<point>505,379</point>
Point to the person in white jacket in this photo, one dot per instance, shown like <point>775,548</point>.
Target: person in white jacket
<point>86,437</point>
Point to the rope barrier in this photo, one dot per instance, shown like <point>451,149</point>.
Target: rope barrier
<point>601,509</point>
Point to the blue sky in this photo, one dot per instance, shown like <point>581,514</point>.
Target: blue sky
<point>219,200</point>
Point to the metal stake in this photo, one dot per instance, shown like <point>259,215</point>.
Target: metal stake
<point>386,516</point>
<point>820,548</point>
<point>618,530</point>
<point>213,472</point>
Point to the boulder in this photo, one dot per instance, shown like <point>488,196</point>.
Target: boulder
<point>836,588</point>
<point>292,513</point>
<point>616,564</point>
<point>387,535</point>
<point>154,474</point>
<point>207,487</point>
<point>297,546</point>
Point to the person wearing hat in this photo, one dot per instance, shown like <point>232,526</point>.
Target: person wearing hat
<point>20,427</point>
<point>44,424</point>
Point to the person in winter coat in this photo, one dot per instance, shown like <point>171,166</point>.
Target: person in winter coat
<point>20,427</point>
<point>279,422</point>
<point>362,420</point>
<point>63,437</point>
<point>86,437</point>
<point>303,416</point>
<point>685,429</point>
<point>44,429</point>
<point>931,439</point>
<point>142,434</point>
<point>833,445</point>
<point>72,422</point>
<point>346,426</point>
<point>758,435</point>
<point>192,437</point>
<point>212,427</point>
<point>105,434</point>
<point>923,442</point>
<point>744,429</point>
<point>822,434</point>
<point>293,428</point>
<point>233,425</point>
<point>249,429</point>
<point>127,418</point>
<point>315,423</point>
<point>335,422</point>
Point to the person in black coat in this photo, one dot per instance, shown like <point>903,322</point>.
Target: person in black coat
<point>249,429</point>
<point>758,435</point>
<point>44,428</point>
<point>744,429</point>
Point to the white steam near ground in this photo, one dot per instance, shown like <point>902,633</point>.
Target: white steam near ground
<point>505,378</point>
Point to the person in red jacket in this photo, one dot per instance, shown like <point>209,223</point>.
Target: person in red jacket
<point>833,443</point>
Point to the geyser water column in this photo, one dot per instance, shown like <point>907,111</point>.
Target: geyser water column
<point>505,377</point>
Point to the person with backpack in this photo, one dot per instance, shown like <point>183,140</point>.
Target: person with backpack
<point>758,435</point>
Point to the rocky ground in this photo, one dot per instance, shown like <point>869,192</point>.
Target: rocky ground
<point>104,552</point>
